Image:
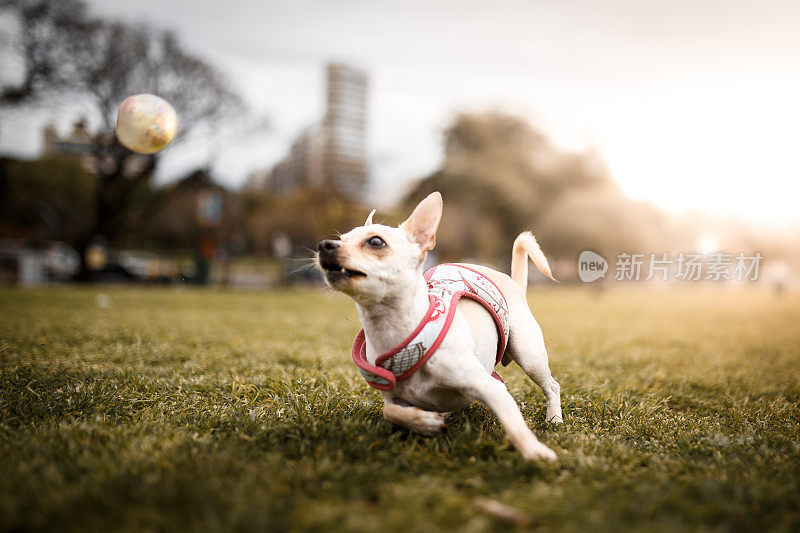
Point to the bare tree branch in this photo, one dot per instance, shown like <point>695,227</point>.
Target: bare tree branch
<point>67,52</point>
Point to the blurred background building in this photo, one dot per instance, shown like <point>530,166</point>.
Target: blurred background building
<point>80,144</point>
<point>333,153</point>
<point>77,142</point>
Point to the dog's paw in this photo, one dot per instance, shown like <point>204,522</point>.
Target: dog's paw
<point>555,418</point>
<point>539,452</point>
<point>428,423</point>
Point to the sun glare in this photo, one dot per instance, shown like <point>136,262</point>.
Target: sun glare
<point>708,243</point>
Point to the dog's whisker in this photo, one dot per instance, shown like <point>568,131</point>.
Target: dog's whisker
<point>302,268</point>
<point>303,259</point>
<point>328,293</point>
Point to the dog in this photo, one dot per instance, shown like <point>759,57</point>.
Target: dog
<point>381,268</point>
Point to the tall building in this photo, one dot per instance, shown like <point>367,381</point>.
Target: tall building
<point>332,153</point>
<point>344,127</point>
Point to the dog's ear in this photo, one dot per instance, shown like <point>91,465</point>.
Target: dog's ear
<point>424,221</point>
<point>369,218</point>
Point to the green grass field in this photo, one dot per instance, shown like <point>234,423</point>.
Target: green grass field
<point>221,410</point>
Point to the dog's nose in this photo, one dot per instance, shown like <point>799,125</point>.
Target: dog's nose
<point>328,245</point>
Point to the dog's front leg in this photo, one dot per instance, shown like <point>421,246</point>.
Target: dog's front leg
<point>495,395</point>
<point>418,420</point>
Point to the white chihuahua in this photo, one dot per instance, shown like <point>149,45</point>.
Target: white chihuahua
<point>427,349</point>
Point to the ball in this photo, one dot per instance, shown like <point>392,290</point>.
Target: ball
<point>146,123</point>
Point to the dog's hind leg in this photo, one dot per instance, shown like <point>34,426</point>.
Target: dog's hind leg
<point>526,342</point>
<point>418,420</point>
<point>526,348</point>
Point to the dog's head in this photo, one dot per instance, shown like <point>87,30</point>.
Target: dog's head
<point>373,262</point>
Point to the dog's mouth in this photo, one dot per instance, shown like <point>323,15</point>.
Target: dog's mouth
<point>335,271</point>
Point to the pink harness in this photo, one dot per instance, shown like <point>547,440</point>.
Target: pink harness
<point>447,283</point>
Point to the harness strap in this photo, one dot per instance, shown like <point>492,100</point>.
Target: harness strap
<point>378,376</point>
<point>401,362</point>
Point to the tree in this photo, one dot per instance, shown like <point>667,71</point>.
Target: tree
<point>46,199</point>
<point>68,54</point>
<point>501,176</point>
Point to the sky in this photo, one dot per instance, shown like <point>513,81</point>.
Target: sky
<point>692,104</point>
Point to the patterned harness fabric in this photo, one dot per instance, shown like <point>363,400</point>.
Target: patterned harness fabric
<point>447,283</point>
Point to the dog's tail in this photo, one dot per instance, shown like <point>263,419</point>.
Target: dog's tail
<point>525,246</point>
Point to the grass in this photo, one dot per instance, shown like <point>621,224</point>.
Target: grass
<point>221,410</point>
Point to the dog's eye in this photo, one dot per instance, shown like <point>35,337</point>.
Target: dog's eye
<point>376,242</point>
